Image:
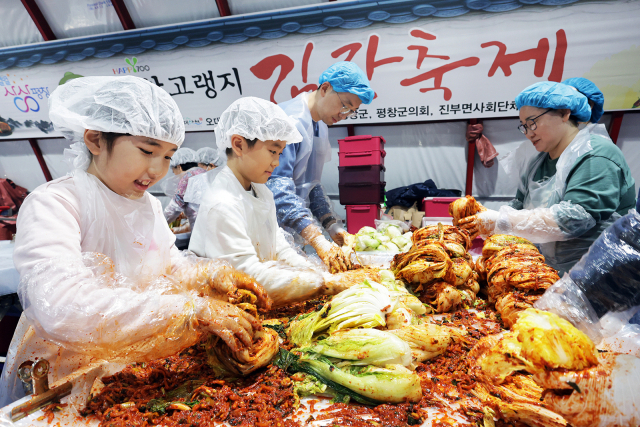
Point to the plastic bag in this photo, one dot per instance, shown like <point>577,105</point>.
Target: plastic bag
<point>609,273</point>
<point>607,279</point>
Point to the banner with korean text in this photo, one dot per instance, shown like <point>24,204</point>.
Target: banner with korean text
<point>469,66</point>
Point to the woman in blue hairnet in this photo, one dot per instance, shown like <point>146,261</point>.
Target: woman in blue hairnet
<point>295,184</point>
<point>596,103</point>
<point>576,186</point>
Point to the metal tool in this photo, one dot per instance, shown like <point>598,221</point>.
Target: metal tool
<point>36,377</point>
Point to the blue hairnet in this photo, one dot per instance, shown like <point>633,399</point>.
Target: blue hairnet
<point>591,91</point>
<point>348,77</point>
<point>557,96</point>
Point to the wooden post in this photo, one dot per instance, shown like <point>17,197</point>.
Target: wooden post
<point>43,165</point>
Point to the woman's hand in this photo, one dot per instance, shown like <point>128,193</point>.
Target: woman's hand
<point>481,224</point>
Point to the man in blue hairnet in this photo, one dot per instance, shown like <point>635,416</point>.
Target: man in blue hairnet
<point>295,183</point>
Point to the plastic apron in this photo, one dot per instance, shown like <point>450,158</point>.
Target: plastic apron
<point>597,129</point>
<point>561,255</point>
<point>314,151</point>
<point>170,185</point>
<point>260,211</point>
<point>134,234</point>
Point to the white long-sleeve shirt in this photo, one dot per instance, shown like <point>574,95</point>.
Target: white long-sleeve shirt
<point>241,228</point>
<point>75,315</point>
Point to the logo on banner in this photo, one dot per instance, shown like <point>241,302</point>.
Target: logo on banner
<point>22,98</point>
<point>132,68</point>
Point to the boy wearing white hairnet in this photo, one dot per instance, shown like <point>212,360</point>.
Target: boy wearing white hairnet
<point>237,218</point>
<point>101,280</point>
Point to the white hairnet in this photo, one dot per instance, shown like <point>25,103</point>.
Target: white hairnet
<point>208,156</point>
<point>128,104</point>
<point>184,155</point>
<point>253,118</point>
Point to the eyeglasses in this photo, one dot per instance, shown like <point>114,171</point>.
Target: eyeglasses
<point>345,111</point>
<point>531,123</point>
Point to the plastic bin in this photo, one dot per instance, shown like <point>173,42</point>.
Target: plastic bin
<point>372,174</point>
<point>362,158</point>
<point>437,206</point>
<point>363,193</point>
<point>359,216</point>
<point>361,143</point>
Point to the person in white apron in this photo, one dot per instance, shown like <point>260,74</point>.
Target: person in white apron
<point>295,183</point>
<point>237,218</point>
<point>102,283</point>
<point>576,186</point>
<point>184,165</point>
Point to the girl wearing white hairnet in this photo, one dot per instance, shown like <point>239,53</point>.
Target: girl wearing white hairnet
<point>237,218</point>
<point>101,279</point>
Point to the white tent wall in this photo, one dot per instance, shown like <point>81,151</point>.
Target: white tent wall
<point>17,26</point>
<point>18,163</point>
<point>239,7</point>
<point>149,13</point>
<point>77,18</point>
<point>629,143</point>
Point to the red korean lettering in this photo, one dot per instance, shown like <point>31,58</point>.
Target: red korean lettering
<point>539,55</point>
<point>305,66</point>
<point>352,48</point>
<point>505,60</point>
<point>438,73</point>
<point>372,63</point>
<point>423,50</point>
<point>557,68</point>
<point>265,69</point>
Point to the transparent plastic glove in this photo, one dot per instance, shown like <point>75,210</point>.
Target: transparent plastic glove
<point>216,278</point>
<point>172,211</point>
<point>181,229</point>
<point>86,307</point>
<point>481,224</point>
<point>605,395</point>
<point>338,233</point>
<point>560,222</point>
<point>234,326</point>
<point>338,282</point>
<point>329,252</point>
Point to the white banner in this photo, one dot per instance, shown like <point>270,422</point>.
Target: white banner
<point>471,66</point>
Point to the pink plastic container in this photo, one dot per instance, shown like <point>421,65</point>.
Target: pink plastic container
<point>359,216</point>
<point>361,143</point>
<point>362,158</point>
<point>437,206</point>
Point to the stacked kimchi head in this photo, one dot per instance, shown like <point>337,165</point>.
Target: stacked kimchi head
<point>515,273</point>
<point>439,267</point>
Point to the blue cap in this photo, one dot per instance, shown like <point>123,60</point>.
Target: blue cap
<point>591,91</point>
<point>557,96</point>
<point>348,77</point>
